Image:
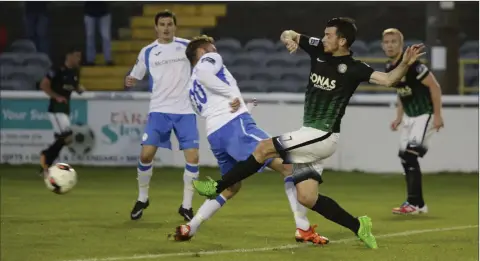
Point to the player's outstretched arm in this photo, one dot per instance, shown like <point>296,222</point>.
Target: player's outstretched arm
<point>291,39</point>
<point>412,53</point>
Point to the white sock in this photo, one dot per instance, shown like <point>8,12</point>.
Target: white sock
<point>299,211</point>
<point>190,174</point>
<point>209,207</point>
<point>144,173</point>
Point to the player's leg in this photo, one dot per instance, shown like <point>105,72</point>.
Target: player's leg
<point>156,134</point>
<point>301,141</point>
<point>210,206</point>
<point>307,177</point>
<point>304,232</point>
<point>63,136</point>
<point>419,132</point>
<point>185,128</point>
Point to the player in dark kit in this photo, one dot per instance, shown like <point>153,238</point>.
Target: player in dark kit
<point>334,77</point>
<point>419,96</point>
<point>58,84</point>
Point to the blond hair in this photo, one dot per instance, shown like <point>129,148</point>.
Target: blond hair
<point>393,31</point>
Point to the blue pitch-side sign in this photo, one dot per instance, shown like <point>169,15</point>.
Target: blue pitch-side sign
<point>32,114</point>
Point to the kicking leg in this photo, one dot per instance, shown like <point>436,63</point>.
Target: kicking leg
<point>307,177</point>
<point>189,175</point>
<point>63,136</point>
<point>205,212</point>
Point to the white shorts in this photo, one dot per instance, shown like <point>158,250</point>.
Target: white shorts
<point>60,122</point>
<point>306,145</point>
<point>416,133</point>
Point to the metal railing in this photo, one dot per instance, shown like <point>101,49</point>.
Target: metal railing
<point>462,89</point>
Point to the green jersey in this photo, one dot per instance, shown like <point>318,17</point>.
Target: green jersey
<point>63,81</point>
<point>414,95</point>
<point>333,80</point>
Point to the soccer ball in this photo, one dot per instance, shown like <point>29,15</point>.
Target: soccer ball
<point>83,140</point>
<point>61,178</point>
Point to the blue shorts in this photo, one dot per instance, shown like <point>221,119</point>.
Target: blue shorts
<point>236,141</point>
<point>159,128</point>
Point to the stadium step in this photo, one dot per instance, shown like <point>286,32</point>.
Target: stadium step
<point>186,21</point>
<point>129,45</point>
<point>119,58</point>
<point>149,34</point>
<point>109,84</point>
<point>183,9</point>
<point>104,72</point>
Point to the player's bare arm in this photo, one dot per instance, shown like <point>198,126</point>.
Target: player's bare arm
<point>45,86</point>
<point>399,118</point>
<point>436,94</point>
<point>412,53</point>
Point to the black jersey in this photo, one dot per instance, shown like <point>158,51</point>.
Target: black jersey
<point>63,81</point>
<point>333,80</point>
<point>413,94</point>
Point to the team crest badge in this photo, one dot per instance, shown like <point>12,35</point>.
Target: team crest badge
<point>342,68</point>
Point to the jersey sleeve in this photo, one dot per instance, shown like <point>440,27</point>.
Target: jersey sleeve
<point>140,68</point>
<point>51,74</point>
<point>211,62</point>
<point>311,45</point>
<point>420,70</point>
<point>363,71</point>
<point>206,71</point>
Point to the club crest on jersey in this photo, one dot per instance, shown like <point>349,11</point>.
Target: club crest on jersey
<point>313,41</point>
<point>342,68</point>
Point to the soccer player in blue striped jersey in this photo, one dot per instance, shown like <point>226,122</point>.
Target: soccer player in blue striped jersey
<point>168,69</point>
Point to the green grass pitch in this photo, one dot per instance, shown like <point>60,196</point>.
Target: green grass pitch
<point>92,222</point>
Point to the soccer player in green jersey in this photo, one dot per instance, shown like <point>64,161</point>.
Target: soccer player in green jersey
<point>58,84</point>
<point>419,98</point>
<point>334,77</point>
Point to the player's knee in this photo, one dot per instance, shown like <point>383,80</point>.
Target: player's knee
<point>67,137</point>
<point>191,156</point>
<point>264,150</point>
<point>306,198</point>
<point>146,156</point>
<point>410,157</point>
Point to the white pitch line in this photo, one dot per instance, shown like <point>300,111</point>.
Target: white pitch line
<point>263,249</point>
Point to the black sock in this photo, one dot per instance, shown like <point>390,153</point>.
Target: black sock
<point>328,208</point>
<point>239,172</point>
<point>408,181</point>
<point>415,195</point>
<point>51,153</point>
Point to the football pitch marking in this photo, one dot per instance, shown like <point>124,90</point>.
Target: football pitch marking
<point>264,249</point>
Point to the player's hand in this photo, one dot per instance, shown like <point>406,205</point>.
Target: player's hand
<point>394,125</point>
<point>291,45</point>
<point>130,81</point>
<point>235,105</point>
<point>80,89</point>
<point>438,122</point>
<point>61,99</point>
<point>412,53</point>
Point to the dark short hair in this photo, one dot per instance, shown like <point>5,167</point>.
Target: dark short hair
<point>346,28</point>
<point>166,13</point>
<point>195,43</point>
<point>73,49</point>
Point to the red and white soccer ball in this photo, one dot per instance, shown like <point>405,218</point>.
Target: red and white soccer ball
<point>61,178</point>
